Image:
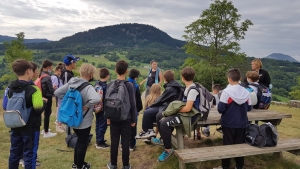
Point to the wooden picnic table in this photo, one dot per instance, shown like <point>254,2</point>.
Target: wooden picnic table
<point>214,119</point>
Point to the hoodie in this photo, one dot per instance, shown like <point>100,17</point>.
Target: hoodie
<point>89,98</point>
<point>138,99</point>
<point>47,86</point>
<point>34,99</point>
<point>66,75</point>
<point>234,103</point>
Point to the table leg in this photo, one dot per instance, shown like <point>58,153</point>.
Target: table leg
<point>182,165</point>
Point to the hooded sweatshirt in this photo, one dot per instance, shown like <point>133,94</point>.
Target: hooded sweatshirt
<point>89,98</point>
<point>66,75</point>
<point>33,98</point>
<point>234,103</point>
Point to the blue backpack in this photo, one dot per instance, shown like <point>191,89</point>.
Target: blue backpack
<point>16,114</point>
<point>70,111</point>
<point>264,97</point>
<point>5,99</point>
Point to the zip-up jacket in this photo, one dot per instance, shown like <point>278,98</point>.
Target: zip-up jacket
<point>47,86</point>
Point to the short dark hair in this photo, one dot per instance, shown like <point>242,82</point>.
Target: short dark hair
<point>169,75</point>
<point>121,67</point>
<point>234,74</point>
<point>217,87</point>
<point>134,73</point>
<point>20,66</point>
<point>34,66</point>
<point>188,73</point>
<point>60,66</point>
<point>103,73</point>
<point>253,75</point>
<point>152,61</point>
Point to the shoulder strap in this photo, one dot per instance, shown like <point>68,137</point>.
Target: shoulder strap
<point>192,87</point>
<point>82,86</point>
<point>66,78</point>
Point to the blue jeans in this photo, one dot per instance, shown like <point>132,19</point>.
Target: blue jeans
<point>101,126</point>
<point>23,144</point>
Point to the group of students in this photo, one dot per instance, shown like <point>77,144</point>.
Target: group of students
<point>234,102</point>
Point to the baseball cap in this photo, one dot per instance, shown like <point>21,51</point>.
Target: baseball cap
<point>70,59</point>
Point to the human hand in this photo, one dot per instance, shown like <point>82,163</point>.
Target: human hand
<point>132,124</point>
<point>44,99</point>
<point>108,121</point>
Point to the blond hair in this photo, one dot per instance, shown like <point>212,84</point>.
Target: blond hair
<point>86,70</point>
<point>154,93</point>
<point>257,62</point>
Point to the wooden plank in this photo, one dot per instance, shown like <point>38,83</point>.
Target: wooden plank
<point>230,151</point>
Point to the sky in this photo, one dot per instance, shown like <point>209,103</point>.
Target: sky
<point>276,26</point>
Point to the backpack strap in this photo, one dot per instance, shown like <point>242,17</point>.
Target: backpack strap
<point>81,87</point>
<point>66,78</point>
<point>58,79</point>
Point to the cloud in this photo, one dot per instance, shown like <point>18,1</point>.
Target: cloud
<point>275,27</point>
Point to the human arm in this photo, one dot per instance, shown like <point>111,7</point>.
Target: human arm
<point>92,97</point>
<point>61,92</point>
<point>160,78</point>
<point>191,97</point>
<point>142,82</point>
<point>139,103</point>
<point>55,82</point>
<point>47,87</point>
<point>222,106</point>
<point>131,93</point>
<point>167,94</point>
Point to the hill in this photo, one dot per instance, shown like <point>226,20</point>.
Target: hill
<point>8,38</point>
<point>280,56</point>
<point>142,43</point>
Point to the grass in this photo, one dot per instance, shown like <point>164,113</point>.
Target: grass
<point>281,98</point>
<point>145,156</point>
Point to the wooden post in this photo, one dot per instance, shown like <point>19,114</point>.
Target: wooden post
<point>179,136</point>
<point>181,165</point>
<point>275,123</point>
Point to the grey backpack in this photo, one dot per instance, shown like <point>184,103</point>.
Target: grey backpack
<point>16,114</point>
<point>117,104</point>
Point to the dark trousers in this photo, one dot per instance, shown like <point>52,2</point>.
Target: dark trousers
<point>233,136</point>
<point>117,129</point>
<point>149,118</point>
<point>101,126</point>
<point>23,144</point>
<point>81,146</point>
<point>47,113</point>
<point>165,130</point>
<point>133,132</point>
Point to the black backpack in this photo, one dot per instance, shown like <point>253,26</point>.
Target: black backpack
<point>261,136</point>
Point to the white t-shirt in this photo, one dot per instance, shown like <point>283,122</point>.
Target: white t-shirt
<point>192,95</point>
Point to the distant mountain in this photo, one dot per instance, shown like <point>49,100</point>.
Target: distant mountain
<point>280,56</point>
<point>8,38</point>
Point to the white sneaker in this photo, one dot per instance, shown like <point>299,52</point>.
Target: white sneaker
<point>220,167</point>
<point>49,134</point>
<point>21,163</point>
<point>60,128</point>
<point>43,131</point>
<point>144,135</point>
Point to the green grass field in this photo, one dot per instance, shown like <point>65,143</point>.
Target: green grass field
<point>145,156</point>
<point>281,98</point>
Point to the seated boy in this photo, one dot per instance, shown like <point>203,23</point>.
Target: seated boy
<point>234,104</point>
<point>171,93</point>
<point>25,140</point>
<point>165,130</point>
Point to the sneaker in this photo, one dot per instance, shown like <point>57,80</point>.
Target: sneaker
<point>49,135</point>
<point>206,132</point>
<point>157,141</point>
<point>220,167</point>
<point>21,163</point>
<point>86,165</point>
<point>127,167</point>
<point>143,135</point>
<point>37,164</point>
<point>43,131</point>
<point>102,146</point>
<point>132,148</point>
<point>74,166</point>
<point>60,128</point>
<point>219,129</point>
<point>165,155</point>
<point>110,166</point>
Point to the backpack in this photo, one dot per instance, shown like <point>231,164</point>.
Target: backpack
<point>117,104</point>
<point>253,95</point>
<point>16,114</point>
<point>202,103</point>
<point>264,96</point>
<point>99,89</point>
<point>38,81</point>
<point>70,111</point>
<point>5,98</point>
<point>261,136</point>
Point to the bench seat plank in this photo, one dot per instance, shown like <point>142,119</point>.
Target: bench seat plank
<point>230,151</point>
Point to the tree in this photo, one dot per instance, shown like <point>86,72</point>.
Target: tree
<point>295,93</point>
<point>213,40</point>
<point>15,50</point>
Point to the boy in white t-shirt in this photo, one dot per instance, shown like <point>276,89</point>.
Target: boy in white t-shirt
<point>187,76</point>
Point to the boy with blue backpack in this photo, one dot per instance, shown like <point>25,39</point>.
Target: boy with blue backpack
<point>101,122</point>
<point>133,75</point>
<point>120,111</point>
<point>24,139</point>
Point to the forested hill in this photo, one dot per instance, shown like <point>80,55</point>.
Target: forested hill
<point>143,43</point>
<point>8,39</point>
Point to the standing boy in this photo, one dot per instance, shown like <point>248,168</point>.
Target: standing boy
<point>25,140</point>
<point>70,64</point>
<point>133,75</point>
<point>234,103</point>
<point>122,127</point>
<point>101,122</point>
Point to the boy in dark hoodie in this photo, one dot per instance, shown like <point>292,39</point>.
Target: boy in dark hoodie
<point>70,64</point>
<point>133,75</point>
<point>171,93</point>
<point>25,140</point>
<point>234,103</point>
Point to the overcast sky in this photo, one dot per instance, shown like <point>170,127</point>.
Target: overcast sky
<point>276,23</point>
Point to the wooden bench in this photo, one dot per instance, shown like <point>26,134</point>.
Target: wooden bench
<point>197,155</point>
